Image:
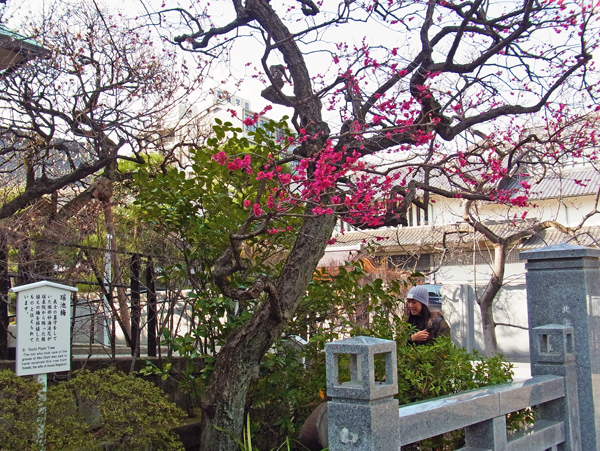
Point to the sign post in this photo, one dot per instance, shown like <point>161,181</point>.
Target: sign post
<point>43,333</point>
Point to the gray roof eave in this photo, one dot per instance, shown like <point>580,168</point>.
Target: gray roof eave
<point>13,41</point>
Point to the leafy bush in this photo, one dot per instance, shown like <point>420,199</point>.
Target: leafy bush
<point>287,390</point>
<point>66,429</point>
<point>284,395</point>
<point>426,372</point>
<point>21,417</point>
<point>19,412</point>
<point>292,380</point>
<point>132,414</point>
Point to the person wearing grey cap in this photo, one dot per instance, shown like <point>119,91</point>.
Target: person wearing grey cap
<point>430,324</point>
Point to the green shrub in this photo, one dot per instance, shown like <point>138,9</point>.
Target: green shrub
<point>19,412</point>
<point>336,304</point>
<point>426,372</point>
<point>132,414</point>
<point>66,429</point>
<point>284,395</point>
<point>287,391</point>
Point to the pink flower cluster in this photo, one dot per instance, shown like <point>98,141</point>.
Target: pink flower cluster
<point>250,121</point>
<point>241,163</point>
<point>508,197</point>
<point>235,164</point>
<point>275,230</point>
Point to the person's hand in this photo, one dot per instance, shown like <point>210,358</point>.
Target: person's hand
<point>422,335</point>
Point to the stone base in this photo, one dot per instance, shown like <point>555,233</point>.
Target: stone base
<point>363,425</point>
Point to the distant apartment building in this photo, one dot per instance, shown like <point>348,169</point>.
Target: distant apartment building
<point>191,123</point>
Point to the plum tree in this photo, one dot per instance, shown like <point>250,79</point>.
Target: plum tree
<point>430,101</point>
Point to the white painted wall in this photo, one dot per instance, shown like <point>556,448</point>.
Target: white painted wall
<point>568,211</point>
<point>464,317</point>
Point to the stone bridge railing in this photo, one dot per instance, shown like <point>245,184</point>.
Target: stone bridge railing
<point>563,284</point>
<point>483,415</point>
<point>363,415</point>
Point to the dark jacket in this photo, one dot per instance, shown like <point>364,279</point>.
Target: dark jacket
<point>436,325</point>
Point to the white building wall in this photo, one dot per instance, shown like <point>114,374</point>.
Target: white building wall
<point>567,211</point>
<point>510,307</point>
<point>464,316</point>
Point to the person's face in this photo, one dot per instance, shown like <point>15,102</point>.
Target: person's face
<point>414,307</point>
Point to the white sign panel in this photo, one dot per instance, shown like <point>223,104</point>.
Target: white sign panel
<point>43,328</point>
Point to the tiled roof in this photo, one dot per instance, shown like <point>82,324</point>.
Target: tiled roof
<point>587,236</point>
<point>457,234</point>
<point>568,182</point>
<point>9,36</point>
<point>16,49</point>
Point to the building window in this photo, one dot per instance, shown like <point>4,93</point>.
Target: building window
<point>417,262</point>
<point>263,123</point>
<point>250,128</point>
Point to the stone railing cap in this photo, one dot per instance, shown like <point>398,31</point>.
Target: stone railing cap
<point>361,340</point>
<point>549,327</point>
<point>557,251</point>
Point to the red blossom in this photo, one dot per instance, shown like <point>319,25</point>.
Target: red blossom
<point>377,119</point>
<point>220,157</point>
<point>519,201</point>
<point>526,185</point>
<point>250,121</point>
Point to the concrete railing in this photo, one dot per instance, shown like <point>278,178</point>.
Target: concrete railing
<point>364,416</point>
<point>482,413</point>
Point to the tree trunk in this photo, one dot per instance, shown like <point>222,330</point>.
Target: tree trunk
<point>117,270</point>
<point>486,300</point>
<point>238,361</point>
<point>4,287</point>
<point>24,269</point>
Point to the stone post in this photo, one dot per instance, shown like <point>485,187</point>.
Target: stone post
<point>563,287</point>
<point>363,414</point>
<point>553,353</point>
<point>488,435</point>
